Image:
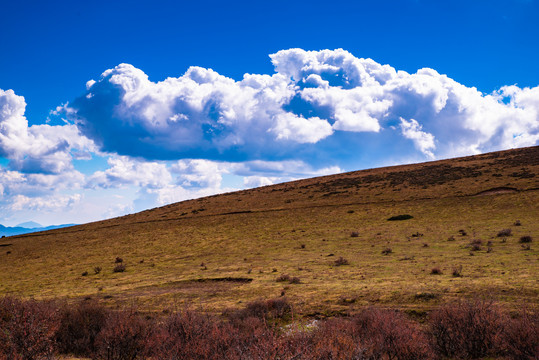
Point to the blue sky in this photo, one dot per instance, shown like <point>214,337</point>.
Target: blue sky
<point>332,86</point>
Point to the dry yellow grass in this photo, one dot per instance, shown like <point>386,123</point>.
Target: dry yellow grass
<point>222,251</point>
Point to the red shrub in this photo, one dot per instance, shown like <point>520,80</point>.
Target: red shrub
<point>79,326</point>
<point>468,330</point>
<point>188,335</point>
<point>387,333</point>
<point>521,336</point>
<point>336,339</point>
<point>27,329</point>
<point>263,309</point>
<point>122,337</point>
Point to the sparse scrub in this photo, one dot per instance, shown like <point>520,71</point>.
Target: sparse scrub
<point>525,239</point>
<point>517,223</point>
<point>295,280</point>
<point>462,232</point>
<point>475,247</point>
<point>120,267</point>
<point>436,271</point>
<point>97,270</point>
<point>504,233</point>
<point>118,260</point>
<point>354,234</point>
<point>341,261</point>
<point>387,251</point>
<point>263,309</point>
<point>451,238</point>
<point>283,278</point>
<point>457,271</point>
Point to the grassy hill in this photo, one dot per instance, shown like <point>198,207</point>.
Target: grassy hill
<point>221,251</point>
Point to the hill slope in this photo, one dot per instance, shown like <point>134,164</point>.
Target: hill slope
<point>226,249</point>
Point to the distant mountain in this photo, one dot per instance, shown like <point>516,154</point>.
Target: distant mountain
<point>28,228</point>
<point>29,225</point>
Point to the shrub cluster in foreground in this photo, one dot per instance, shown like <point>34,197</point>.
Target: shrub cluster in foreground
<point>464,330</point>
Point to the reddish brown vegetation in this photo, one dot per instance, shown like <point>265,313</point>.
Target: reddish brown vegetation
<point>27,329</point>
<point>465,330</point>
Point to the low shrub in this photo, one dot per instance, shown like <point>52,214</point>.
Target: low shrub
<point>517,223</point>
<point>295,280</point>
<point>475,247</point>
<point>436,271</point>
<point>120,267</point>
<point>387,251</point>
<point>118,260</point>
<point>341,261</point>
<point>466,330</point>
<point>190,335</point>
<point>283,278</point>
<point>79,326</point>
<point>27,329</point>
<point>354,234</point>
<point>263,309</point>
<point>505,233</point>
<point>520,336</point>
<point>457,271</point>
<point>525,239</point>
<point>122,337</point>
<point>390,334</point>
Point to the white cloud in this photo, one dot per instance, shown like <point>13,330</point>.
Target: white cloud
<point>124,171</point>
<point>38,148</point>
<point>422,140</point>
<point>47,203</point>
<point>312,95</point>
<point>257,181</point>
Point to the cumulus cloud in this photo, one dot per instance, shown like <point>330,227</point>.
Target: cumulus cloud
<point>37,148</point>
<point>311,96</point>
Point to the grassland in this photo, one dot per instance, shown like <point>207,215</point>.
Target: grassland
<point>222,251</point>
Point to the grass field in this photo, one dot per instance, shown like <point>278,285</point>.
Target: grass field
<point>223,251</point>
